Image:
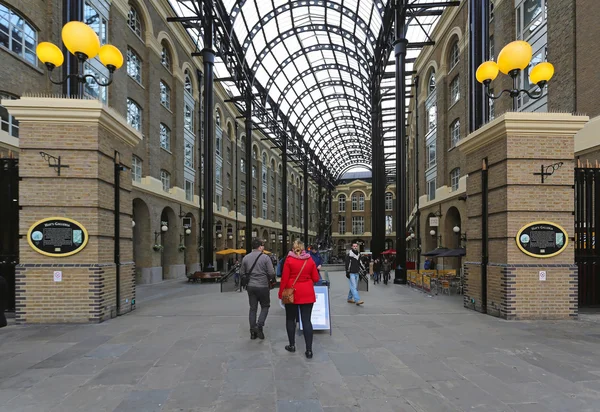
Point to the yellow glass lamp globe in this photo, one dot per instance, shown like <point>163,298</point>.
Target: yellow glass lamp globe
<point>487,71</point>
<point>110,56</point>
<point>49,54</point>
<point>514,56</point>
<point>541,73</point>
<point>78,37</point>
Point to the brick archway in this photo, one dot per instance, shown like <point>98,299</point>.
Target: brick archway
<point>142,242</point>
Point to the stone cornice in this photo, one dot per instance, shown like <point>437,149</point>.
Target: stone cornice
<point>523,124</point>
<point>63,110</point>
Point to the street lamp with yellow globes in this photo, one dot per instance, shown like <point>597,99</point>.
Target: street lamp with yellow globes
<point>514,58</point>
<point>81,40</point>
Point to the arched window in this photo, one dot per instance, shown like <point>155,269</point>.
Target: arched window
<point>254,153</point>
<point>431,84</point>
<point>218,118</point>
<point>342,203</point>
<point>134,21</point>
<point>389,201</point>
<point>454,55</point>
<point>188,83</point>
<point>17,35</point>
<point>358,202</point>
<point>264,159</point>
<point>243,143</point>
<point>165,57</point>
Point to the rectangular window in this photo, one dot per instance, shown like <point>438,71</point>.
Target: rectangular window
<point>188,154</point>
<point>96,21</point>
<point>91,88</point>
<point>243,188</point>
<point>165,178</point>
<point>219,202</point>
<point>136,169</point>
<point>342,225</point>
<point>228,182</point>
<point>134,65</point>
<point>389,198</point>
<point>388,225</point>
<point>242,166</point>
<point>165,95</point>
<point>264,212</point>
<point>229,155</point>
<point>431,186</point>
<point>218,175</point>
<point>454,178</point>
<point>454,133</point>
<point>7,122</point>
<point>253,172</point>
<point>358,225</point>
<point>492,48</point>
<point>165,137</point>
<point>189,191</point>
<point>188,118</point>
<point>243,207</point>
<point>342,204</point>
<point>264,178</point>
<point>431,156</point>
<point>253,192</point>
<point>431,118</point>
<point>361,204</point>
<point>218,140</point>
<point>254,214</point>
<point>454,90</point>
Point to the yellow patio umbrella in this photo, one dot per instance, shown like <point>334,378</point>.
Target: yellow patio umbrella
<point>226,252</point>
<point>266,252</point>
<point>240,251</point>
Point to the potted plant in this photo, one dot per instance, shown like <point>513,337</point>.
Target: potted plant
<point>158,248</point>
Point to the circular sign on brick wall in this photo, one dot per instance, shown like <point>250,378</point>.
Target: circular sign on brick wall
<point>542,239</point>
<point>57,237</point>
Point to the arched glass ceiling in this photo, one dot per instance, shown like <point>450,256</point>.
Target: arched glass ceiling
<point>315,59</point>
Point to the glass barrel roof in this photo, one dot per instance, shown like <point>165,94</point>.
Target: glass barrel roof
<point>315,60</point>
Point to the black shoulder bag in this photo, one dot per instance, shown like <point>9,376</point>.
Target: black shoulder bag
<point>245,278</point>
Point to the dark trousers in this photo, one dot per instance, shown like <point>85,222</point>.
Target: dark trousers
<point>256,295</point>
<point>291,313</point>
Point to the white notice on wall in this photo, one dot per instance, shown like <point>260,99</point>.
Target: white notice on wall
<point>57,276</point>
<point>542,275</point>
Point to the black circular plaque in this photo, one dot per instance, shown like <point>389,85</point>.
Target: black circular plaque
<point>542,239</point>
<point>57,237</point>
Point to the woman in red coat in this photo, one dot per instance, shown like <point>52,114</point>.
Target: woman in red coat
<point>299,273</point>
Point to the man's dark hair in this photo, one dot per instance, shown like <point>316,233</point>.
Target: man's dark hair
<point>256,243</point>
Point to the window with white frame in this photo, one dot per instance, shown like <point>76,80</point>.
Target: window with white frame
<point>264,179</point>
<point>165,94</point>
<point>134,65</point>
<point>134,21</point>
<point>454,90</point>
<point>389,228</point>
<point>341,203</point>
<point>342,224</point>
<point>454,178</point>
<point>491,108</point>
<point>243,188</point>
<point>188,118</point>
<point>136,169</point>
<point>188,154</point>
<point>492,48</point>
<point>431,186</point>
<point>91,87</point>
<point>431,84</point>
<point>218,140</point>
<point>389,199</point>
<point>96,20</point>
<point>358,202</point>
<point>165,137</point>
<point>187,84</point>
<point>17,35</point>
<point>189,191</point>
<point>242,165</point>
<point>218,175</point>
<point>431,154</point>
<point>165,178</point>
<point>254,192</point>
<point>254,214</point>
<point>253,172</point>
<point>531,15</point>
<point>358,225</point>
<point>454,55</point>
<point>134,114</point>
<point>165,58</point>
<point>7,122</point>
<point>431,118</point>
<point>361,203</point>
<point>454,133</point>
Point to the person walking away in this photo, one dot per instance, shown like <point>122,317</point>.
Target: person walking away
<point>387,267</point>
<point>299,273</point>
<point>258,269</point>
<point>376,270</point>
<point>352,269</point>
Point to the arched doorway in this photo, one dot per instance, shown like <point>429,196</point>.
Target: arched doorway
<point>453,239</point>
<point>142,245</point>
<point>191,255</point>
<point>172,261</point>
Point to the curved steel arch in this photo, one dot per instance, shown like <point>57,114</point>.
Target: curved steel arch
<point>338,164</point>
<point>330,111</point>
<point>360,131</point>
<point>317,69</point>
<point>328,28</point>
<point>321,100</point>
<point>239,4</point>
<point>342,9</point>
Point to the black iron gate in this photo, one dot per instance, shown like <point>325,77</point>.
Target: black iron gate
<point>587,255</point>
<point>9,224</point>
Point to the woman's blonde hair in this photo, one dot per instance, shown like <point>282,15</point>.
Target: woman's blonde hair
<point>298,247</point>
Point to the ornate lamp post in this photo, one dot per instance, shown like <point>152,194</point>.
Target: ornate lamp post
<point>81,40</point>
<point>514,58</point>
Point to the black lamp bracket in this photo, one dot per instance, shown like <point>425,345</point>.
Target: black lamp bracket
<point>548,170</point>
<point>515,91</point>
<point>53,162</point>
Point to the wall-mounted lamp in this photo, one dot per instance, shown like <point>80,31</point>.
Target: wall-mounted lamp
<point>219,235</point>
<point>432,232</point>
<point>164,228</point>
<point>188,231</point>
<point>133,223</point>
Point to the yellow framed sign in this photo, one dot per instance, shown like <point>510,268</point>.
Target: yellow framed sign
<point>542,239</point>
<point>57,237</point>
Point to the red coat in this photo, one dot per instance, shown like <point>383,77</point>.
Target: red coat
<point>304,287</point>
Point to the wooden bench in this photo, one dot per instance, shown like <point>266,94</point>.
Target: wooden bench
<point>202,276</point>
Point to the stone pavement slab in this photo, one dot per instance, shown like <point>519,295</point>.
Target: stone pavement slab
<point>186,348</point>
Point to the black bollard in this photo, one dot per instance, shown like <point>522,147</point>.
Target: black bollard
<point>3,301</point>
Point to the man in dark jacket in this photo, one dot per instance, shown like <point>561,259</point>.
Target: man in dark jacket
<point>261,276</point>
<point>352,269</point>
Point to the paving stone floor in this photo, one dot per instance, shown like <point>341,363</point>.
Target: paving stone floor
<point>187,348</point>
